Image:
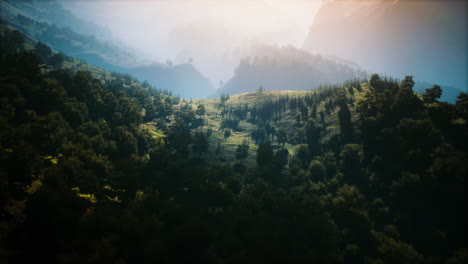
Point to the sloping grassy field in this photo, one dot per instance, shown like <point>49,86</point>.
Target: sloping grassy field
<point>225,152</point>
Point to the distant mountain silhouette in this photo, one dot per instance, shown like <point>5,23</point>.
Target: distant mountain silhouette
<point>35,18</point>
<point>288,68</point>
<point>427,39</point>
<point>183,79</point>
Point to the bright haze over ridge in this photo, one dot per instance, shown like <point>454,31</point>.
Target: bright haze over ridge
<point>212,32</point>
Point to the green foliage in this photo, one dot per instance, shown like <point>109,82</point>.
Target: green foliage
<point>200,110</point>
<point>351,157</point>
<point>264,154</point>
<point>317,170</point>
<point>312,136</point>
<point>346,127</point>
<point>99,170</point>
<point>407,83</point>
<point>179,137</point>
<point>24,64</point>
<point>242,151</point>
<point>432,94</point>
<point>200,143</point>
<point>375,82</point>
<point>280,159</point>
<point>11,42</point>
<point>227,133</point>
<point>223,98</point>
<point>282,136</point>
<point>57,59</point>
<point>43,51</point>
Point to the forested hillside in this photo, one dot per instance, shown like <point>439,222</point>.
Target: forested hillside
<point>28,17</point>
<point>287,68</point>
<point>99,168</point>
<point>52,12</point>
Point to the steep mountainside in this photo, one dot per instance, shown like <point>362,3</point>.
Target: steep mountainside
<point>51,11</point>
<point>287,68</point>
<point>182,79</point>
<point>28,17</point>
<point>426,39</point>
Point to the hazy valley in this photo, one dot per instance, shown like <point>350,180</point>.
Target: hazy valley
<point>109,155</point>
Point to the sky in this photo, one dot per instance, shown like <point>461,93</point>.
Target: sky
<point>211,32</point>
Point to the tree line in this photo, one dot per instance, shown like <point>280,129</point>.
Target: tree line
<point>82,180</point>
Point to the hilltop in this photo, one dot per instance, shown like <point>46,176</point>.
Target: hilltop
<point>239,109</point>
<point>287,68</point>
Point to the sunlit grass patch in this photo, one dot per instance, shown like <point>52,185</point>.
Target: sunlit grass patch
<point>87,196</point>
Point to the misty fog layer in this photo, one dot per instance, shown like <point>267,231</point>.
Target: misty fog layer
<point>214,35</point>
<point>303,156</point>
<point>389,37</point>
<point>427,39</point>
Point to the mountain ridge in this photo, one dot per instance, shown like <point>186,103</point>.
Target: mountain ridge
<point>425,39</point>
<point>103,54</point>
<point>287,68</point>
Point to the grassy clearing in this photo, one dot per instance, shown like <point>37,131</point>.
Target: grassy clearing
<point>226,152</point>
<point>151,128</point>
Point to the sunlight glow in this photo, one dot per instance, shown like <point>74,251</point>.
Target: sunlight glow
<point>273,21</point>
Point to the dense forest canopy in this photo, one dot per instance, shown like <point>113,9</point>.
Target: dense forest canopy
<point>99,168</point>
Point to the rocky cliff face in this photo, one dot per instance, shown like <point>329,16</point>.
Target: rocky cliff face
<point>427,39</point>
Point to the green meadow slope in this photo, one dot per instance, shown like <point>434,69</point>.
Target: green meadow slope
<point>287,121</point>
